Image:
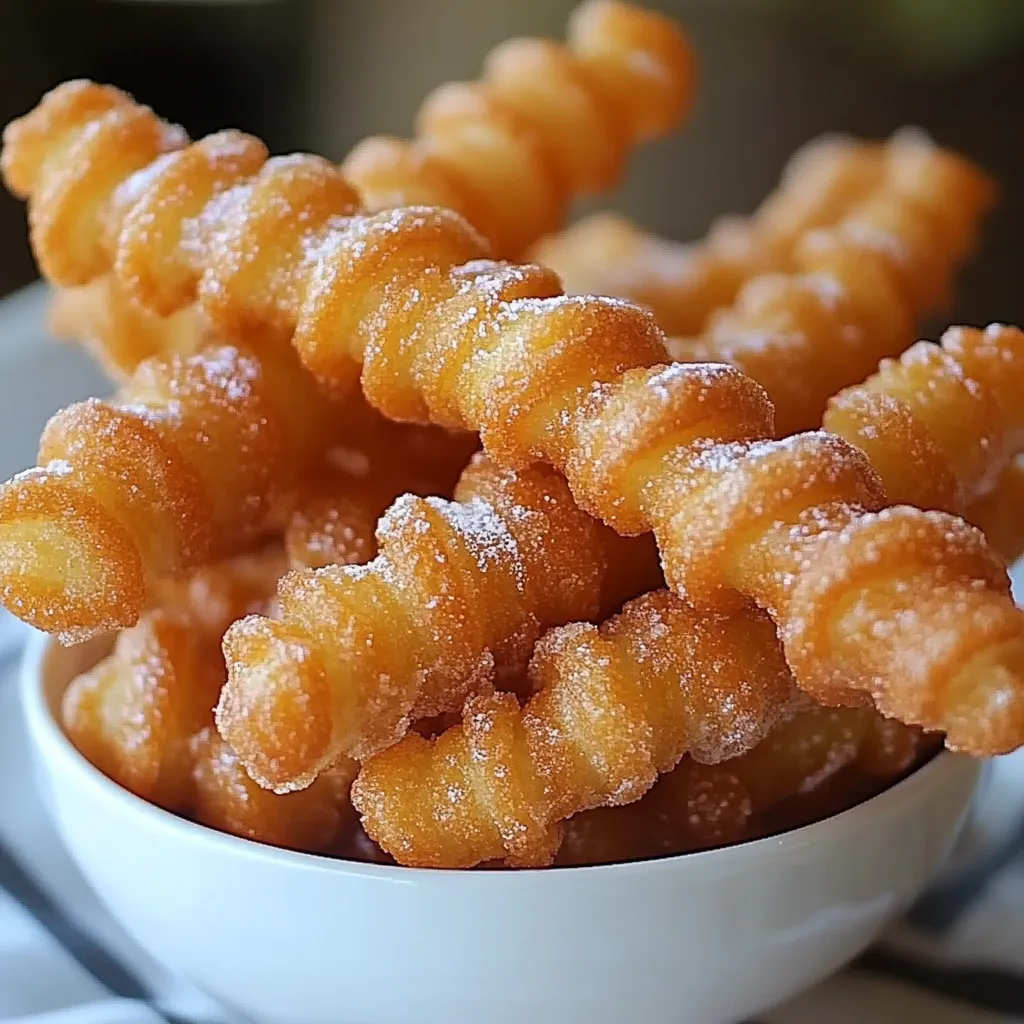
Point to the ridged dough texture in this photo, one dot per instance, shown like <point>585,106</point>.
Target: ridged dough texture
<point>689,285</point>
<point>118,332</point>
<point>855,290</point>
<point>458,593</point>
<point>189,462</point>
<point>908,608</point>
<point>615,707</point>
<point>683,283</point>
<point>144,715</point>
<point>545,123</point>
<point>822,761</point>
<point>941,425</point>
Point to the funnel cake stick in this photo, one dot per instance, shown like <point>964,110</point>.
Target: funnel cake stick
<point>615,707</point>
<point>907,608</point>
<point>545,123</point>
<point>697,805</point>
<point>858,287</point>
<point>144,715</point>
<point>118,332</point>
<point>459,590</point>
<point>133,715</point>
<point>510,152</point>
<point>999,513</point>
<point>188,463</point>
<point>683,283</point>
<point>939,424</point>
<point>942,423</point>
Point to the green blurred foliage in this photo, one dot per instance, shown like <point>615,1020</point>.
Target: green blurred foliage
<point>927,35</point>
<point>922,35</point>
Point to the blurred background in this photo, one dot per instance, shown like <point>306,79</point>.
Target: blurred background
<point>320,74</point>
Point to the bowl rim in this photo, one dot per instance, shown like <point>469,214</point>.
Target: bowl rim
<point>44,728</point>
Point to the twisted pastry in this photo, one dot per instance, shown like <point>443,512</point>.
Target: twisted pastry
<point>940,425</point>
<point>820,762</point>
<point>943,422</point>
<point>998,514</point>
<point>546,122</point>
<point>188,463</point>
<point>332,519</point>
<point>225,798</point>
<point>802,755</point>
<point>134,713</point>
<point>907,608</point>
<point>144,715</point>
<point>614,708</point>
<point>459,589</point>
<point>858,287</point>
<point>510,152</point>
<point>683,283</point>
<point>118,332</point>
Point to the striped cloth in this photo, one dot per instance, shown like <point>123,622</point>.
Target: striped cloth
<point>958,958</point>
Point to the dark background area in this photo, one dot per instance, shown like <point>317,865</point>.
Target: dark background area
<point>319,74</point>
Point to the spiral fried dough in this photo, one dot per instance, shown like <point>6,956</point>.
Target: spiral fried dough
<point>546,122</point>
<point>134,714</point>
<point>822,759</point>
<point>187,464</point>
<point>927,631</point>
<point>510,152</point>
<point>614,708</point>
<point>332,519</point>
<point>225,798</point>
<point>858,287</point>
<point>998,514</point>
<point>118,332</point>
<point>459,589</point>
<point>683,283</point>
<point>943,422</point>
<point>795,524</point>
<point>800,756</point>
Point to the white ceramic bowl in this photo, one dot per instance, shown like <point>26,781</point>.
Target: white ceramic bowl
<point>287,938</point>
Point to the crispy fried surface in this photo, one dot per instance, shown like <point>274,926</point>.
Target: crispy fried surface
<point>615,707</point>
<point>459,591</point>
<point>188,463</point>
<point>546,122</point>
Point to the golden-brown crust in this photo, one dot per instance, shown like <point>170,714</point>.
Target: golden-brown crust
<point>186,464</point>
<point>615,707</point>
<point>998,513</point>
<point>683,283</point>
<point>942,422</point>
<point>853,291</point>
<point>225,798</point>
<point>134,714</point>
<point>459,590</point>
<point>117,331</point>
<point>494,348</point>
<point>144,715</point>
<point>546,122</point>
<point>820,762</point>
